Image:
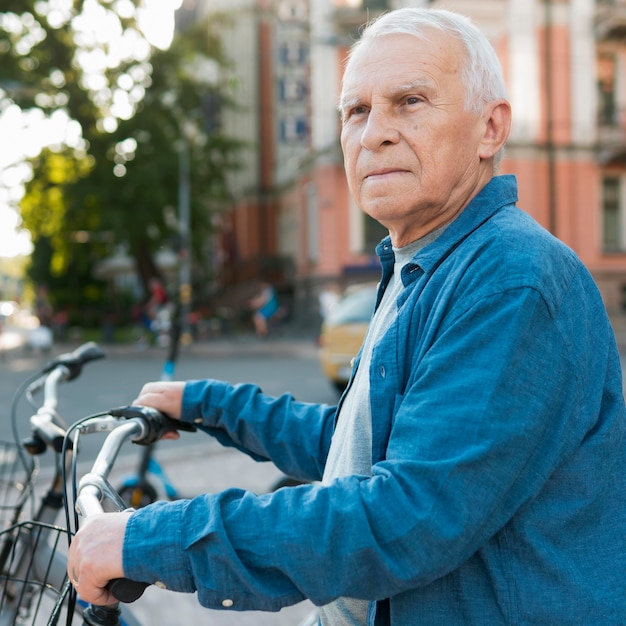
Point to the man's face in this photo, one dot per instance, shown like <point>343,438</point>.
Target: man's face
<point>411,150</point>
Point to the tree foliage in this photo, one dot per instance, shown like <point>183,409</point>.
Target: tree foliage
<point>53,55</point>
<point>139,179</point>
<point>138,108</point>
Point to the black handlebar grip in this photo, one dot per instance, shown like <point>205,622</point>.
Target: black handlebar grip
<point>126,590</point>
<point>89,351</point>
<point>157,423</point>
<point>75,360</point>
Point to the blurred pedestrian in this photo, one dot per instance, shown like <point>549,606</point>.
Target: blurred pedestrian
<point>42,338</point>
<point>265,306</point>
<point>43,308</point>
<point>156,314</point>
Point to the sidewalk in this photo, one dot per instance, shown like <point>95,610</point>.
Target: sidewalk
<point>242,344</point>
<point>286,344</point>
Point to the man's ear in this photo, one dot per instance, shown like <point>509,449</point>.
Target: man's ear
<point>497,128</point>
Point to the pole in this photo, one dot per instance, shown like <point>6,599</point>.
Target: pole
<point>184,220</point>
<point>550,145</point>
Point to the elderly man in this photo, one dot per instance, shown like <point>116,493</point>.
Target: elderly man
<point>474,470</point>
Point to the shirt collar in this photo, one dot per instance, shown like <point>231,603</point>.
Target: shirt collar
<point>499,192</point>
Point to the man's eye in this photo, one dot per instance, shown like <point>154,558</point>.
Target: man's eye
<point>358,110</point>
<point>414,100</point>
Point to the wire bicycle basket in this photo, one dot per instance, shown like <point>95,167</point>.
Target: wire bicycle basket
<point>33,581</point>
<point>17,473</point>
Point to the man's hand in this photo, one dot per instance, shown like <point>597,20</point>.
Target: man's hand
<point>95,556</point>
<point>164,396</point>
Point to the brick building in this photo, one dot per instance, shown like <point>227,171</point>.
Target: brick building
<point>291,216</point>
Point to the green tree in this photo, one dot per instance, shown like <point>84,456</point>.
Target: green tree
<point>137,172</point>
<point>123,178</point>
<point>53,56</point>
<point>59,261</point>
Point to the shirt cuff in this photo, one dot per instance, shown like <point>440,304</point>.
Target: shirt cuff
<point>201,400</point>
<point>155,526</point>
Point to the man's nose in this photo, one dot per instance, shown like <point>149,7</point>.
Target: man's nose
<point>379,130</point>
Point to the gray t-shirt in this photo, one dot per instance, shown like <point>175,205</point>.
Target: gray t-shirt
<point>351,448</point>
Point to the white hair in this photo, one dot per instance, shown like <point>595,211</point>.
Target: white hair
<point>481,72</point>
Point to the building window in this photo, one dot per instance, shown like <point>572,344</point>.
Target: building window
<point>212,111</point>
<point>607,96</point>
<point>291,90</point>
<point>375,4</point>
<point>612,220</point>
<point>292,53</point>
<point>374,232</point>
<point>293,11</point>
<point>312,214</point>
<point>293,129</point>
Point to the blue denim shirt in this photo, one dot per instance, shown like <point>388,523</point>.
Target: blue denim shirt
<point>498,487</point>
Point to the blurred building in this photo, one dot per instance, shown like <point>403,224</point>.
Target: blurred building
<point>292,219</point>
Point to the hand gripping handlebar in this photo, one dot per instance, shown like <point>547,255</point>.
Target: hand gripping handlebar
<point>155,422</point>
<point>145,426</point>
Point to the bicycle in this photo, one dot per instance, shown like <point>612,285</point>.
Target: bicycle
<point>34,587</point>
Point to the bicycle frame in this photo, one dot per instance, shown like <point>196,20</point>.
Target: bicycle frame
<point>141,491</point>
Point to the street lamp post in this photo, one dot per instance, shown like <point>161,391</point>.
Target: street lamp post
<point>204,70</point>
<point>184,229</point>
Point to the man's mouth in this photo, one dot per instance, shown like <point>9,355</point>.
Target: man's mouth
<point>385,171</point>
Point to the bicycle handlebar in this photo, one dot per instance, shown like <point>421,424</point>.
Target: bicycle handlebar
<point>47,430</point>
<point>75,360</point>
<point>156,423</point>
<point>143,425</point>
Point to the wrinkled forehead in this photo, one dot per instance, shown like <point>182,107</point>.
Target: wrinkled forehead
<point>430,52</point>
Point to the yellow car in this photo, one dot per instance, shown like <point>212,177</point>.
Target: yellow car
<point>343,332</point>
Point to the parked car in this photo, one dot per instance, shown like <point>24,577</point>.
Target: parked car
<point>343,332</point>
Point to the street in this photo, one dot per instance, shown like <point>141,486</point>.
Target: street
<point>194,463</point>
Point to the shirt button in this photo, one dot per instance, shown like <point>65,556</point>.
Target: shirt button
<point>160,584</point>
<point>198,420</point>
<point>382,371</point>
<point>227,603</point>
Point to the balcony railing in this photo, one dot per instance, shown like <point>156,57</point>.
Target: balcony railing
<point>610,19</point>
<point>611,126</point>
